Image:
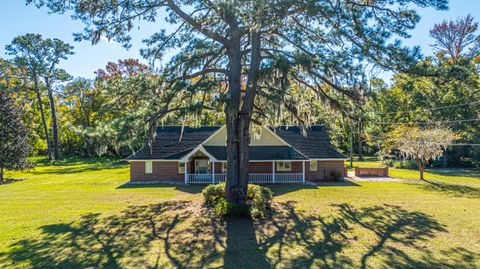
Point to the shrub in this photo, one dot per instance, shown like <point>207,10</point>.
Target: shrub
<point>406,164</point>
<point>221,207</point>
<point>213,193</point>
<point>259,200</point>
<point>389,163</point>
<point>336,175</point>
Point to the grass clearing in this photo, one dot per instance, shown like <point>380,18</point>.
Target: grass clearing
<point>81,213</point>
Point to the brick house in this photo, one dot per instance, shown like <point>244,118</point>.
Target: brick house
<point>198,155</point>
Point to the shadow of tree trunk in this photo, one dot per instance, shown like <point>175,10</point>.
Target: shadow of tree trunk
<point>241,242</point>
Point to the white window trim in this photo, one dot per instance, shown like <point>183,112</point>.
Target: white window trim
<point>148,167</point>
<point>282,168</point>
<point>315,168</point>
<point>184,167</point>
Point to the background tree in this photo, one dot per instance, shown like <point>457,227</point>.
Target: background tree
<point>442,90</point>
<point>243,49</point>
<point>421,144</point>
<point>455,38</point>
<point>14,144</point>
<point>39,57</point>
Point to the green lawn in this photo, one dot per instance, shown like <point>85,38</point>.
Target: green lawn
<point>82,214</point>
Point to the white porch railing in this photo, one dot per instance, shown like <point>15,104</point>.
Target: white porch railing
<point>253,178</point>
<point>288,178</point>
<point>205,178</point>
<point>260,178</point>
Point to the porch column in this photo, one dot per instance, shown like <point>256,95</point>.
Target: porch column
<point>186,173</point>
<point>213,172</point>
<point>303,171</point>
<point>273,171</point>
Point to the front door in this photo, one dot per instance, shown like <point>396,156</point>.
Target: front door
<point>201,166</point>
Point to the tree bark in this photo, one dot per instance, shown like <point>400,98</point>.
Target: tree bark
<point>239,116</point>
<point>420,167</point>
<point>234,191</point>
<point>351,144</point>
<point>45,127</point>
<point>360,149</point>
<point>53,112</point>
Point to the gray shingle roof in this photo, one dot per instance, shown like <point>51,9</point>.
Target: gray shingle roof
<point>168,146</point>
<point>258,153</point>
<point>316,145</point>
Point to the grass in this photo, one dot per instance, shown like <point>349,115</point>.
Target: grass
<point>82,214</point>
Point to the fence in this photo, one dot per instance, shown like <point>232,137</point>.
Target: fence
<point>253,178</point>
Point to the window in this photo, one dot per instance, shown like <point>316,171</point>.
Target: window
<point>181,168</point>
<point>313,165</point>
<point>224,167</point>
<point>148,167</point>
<point>284,166</point>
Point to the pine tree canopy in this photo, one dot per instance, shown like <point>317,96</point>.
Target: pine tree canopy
<point>323,46</point>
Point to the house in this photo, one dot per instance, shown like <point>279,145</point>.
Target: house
<point>198,155</point>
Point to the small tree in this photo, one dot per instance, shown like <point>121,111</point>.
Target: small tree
<point>14,147</point>
<point>422,144</point>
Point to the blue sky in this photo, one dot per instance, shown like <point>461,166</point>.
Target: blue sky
<point>18,19</point>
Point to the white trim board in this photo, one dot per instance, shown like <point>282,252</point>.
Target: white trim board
<point>195,150</point>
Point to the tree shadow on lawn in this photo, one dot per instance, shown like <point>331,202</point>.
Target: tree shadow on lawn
<point>193,189</point>
<point>280,189</point>
<point>6,181</point>
<point>456,190</point>
<point>457,172</point>
<point>277,189</point>
<point>183,235</point>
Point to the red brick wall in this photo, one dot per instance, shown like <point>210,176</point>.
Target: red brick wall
<point>161,171</point>
<point>371,172</point>
<point>324,170</point>
<point>168,170</point>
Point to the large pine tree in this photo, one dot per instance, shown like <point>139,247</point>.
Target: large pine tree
<point>248,51</point>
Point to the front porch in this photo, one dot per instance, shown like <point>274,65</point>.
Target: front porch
<point>203,168</point>
<point>268,178</point>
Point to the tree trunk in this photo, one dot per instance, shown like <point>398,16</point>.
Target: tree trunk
<point>420,167</point>
<point>1,171</point>
<point>351,144</point>
<point>236,187</point>
<point>360,149</point>
<point>53,111</point>
<point>45,127</point>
